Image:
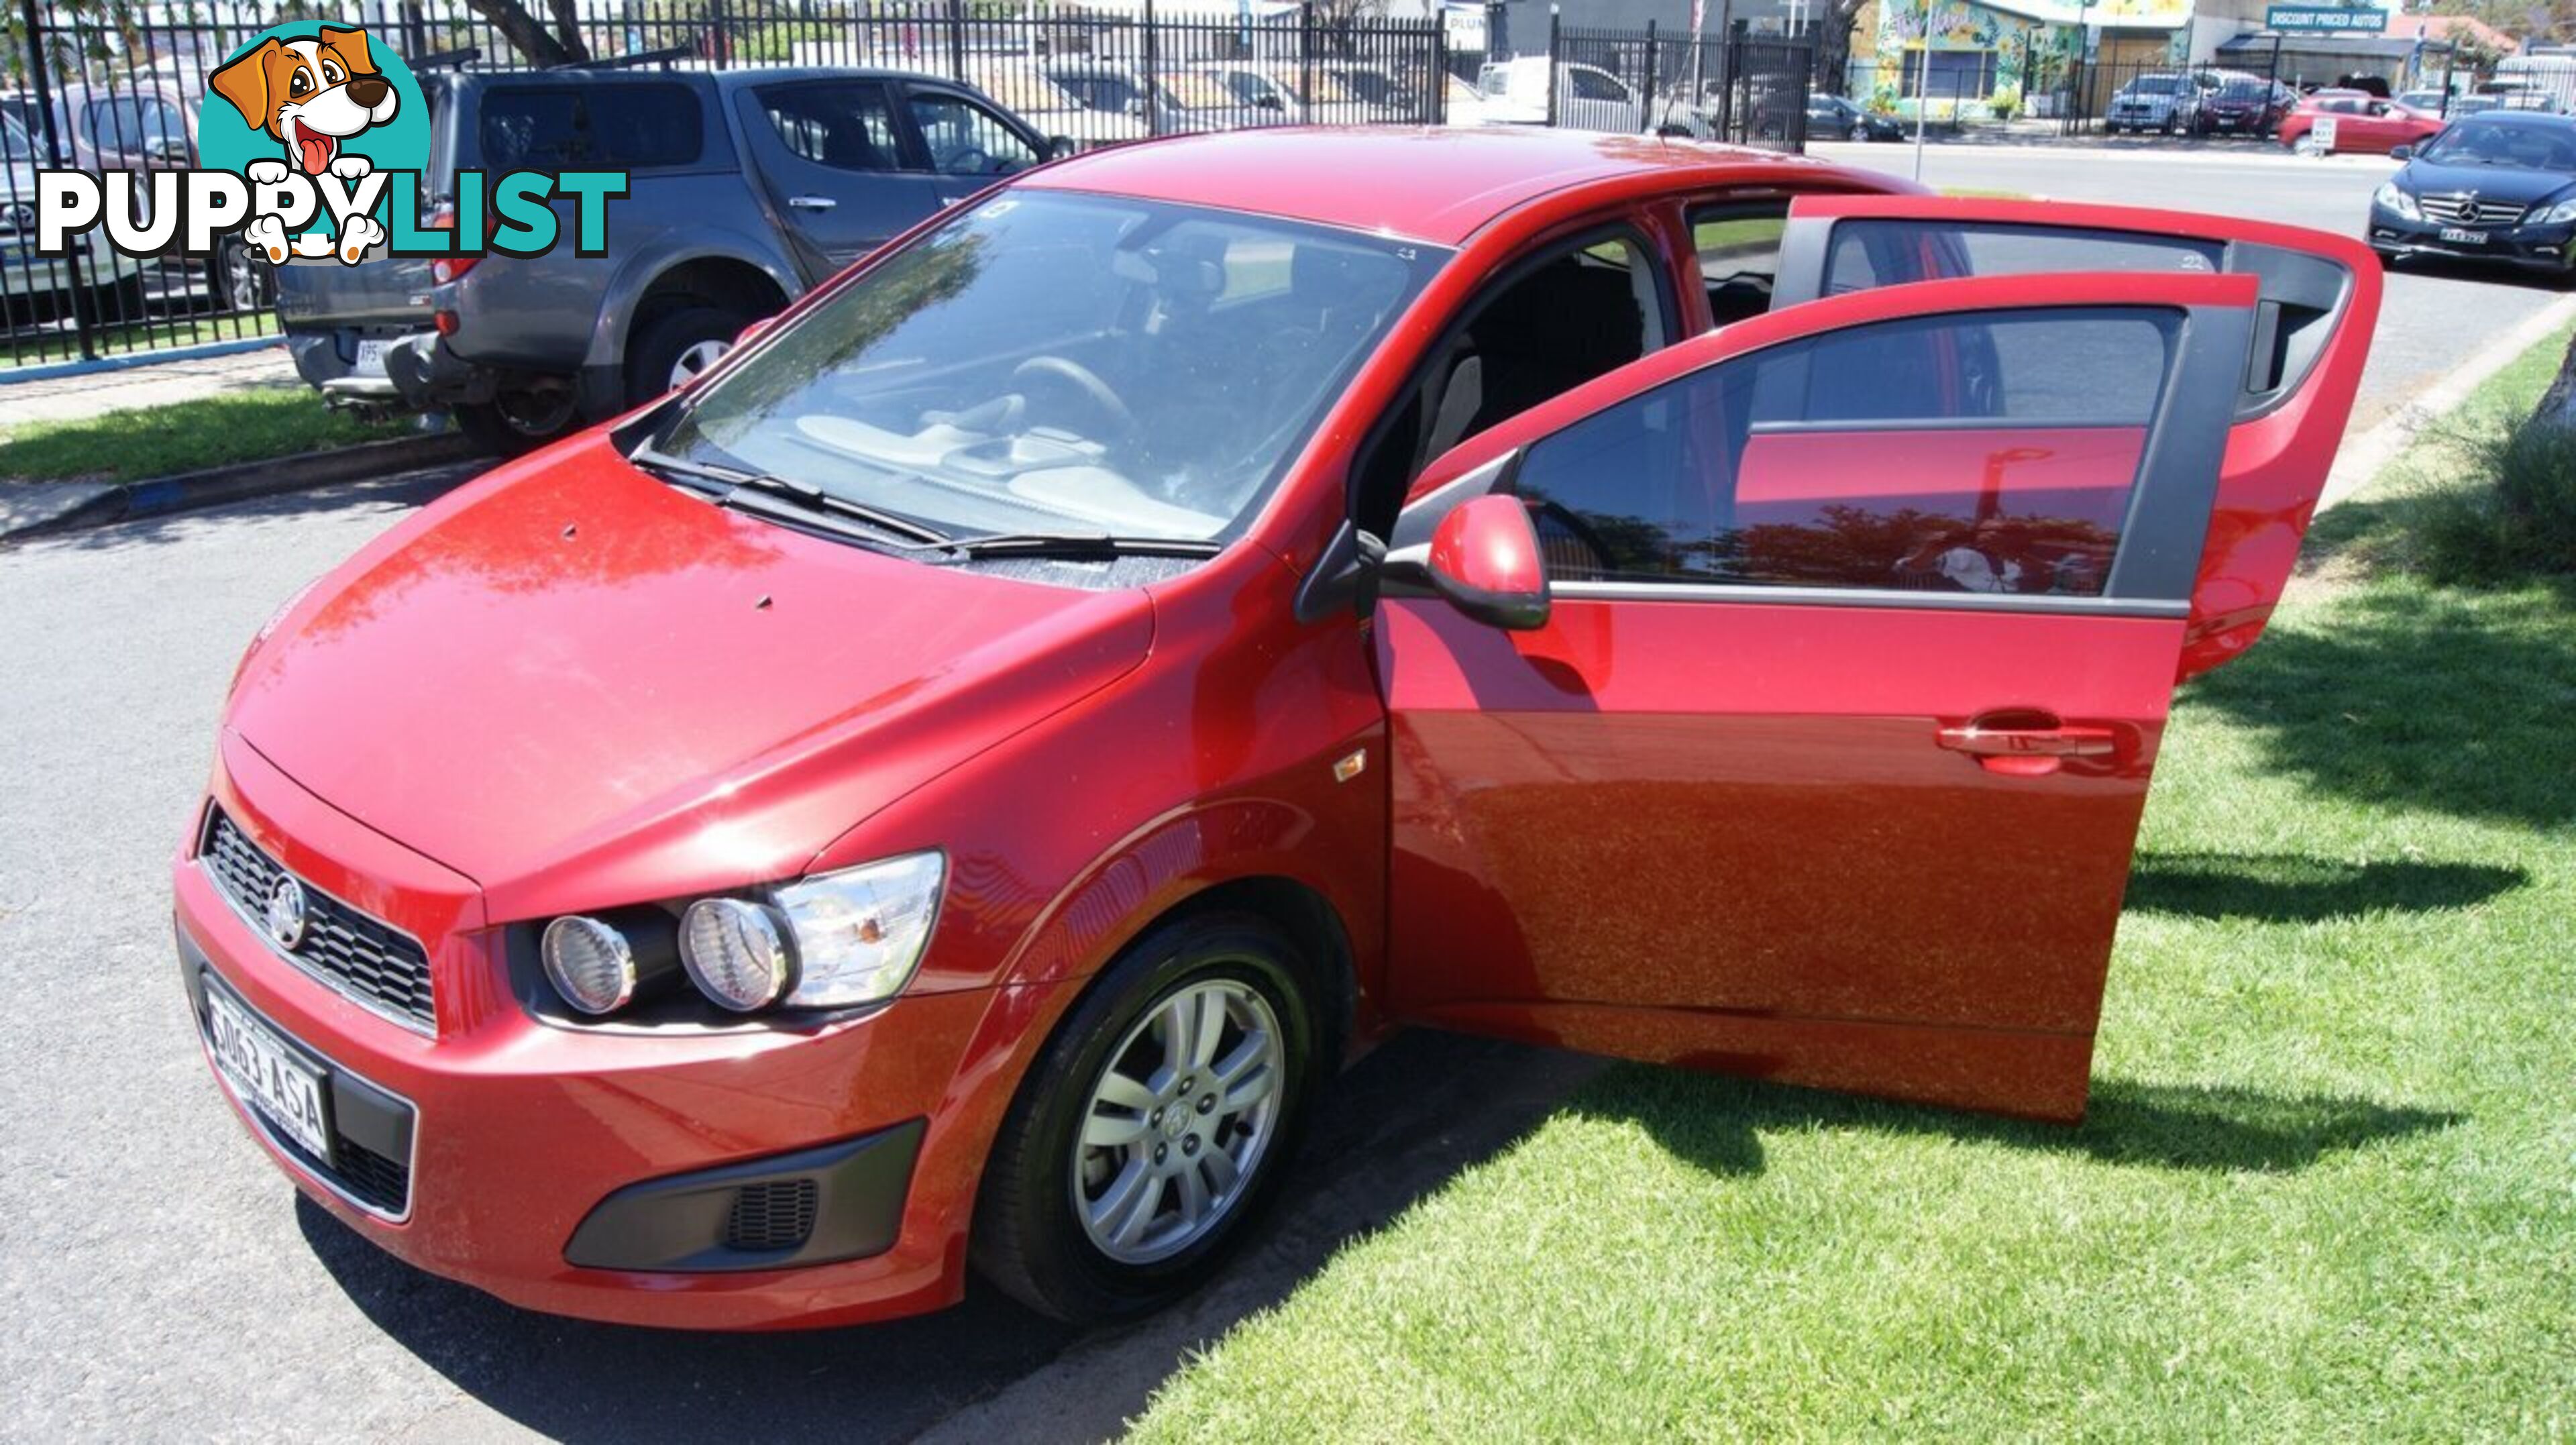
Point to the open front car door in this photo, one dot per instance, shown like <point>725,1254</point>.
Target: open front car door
<point>1797,721</point>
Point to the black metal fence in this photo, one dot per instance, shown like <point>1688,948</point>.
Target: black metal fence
<point>121,90</point>
<point>1738,88</point>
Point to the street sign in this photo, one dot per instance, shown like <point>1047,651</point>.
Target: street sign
<point>2325,19</point>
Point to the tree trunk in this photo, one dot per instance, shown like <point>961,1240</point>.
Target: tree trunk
<point>568,30</point>
<point>524,31</point>
<point>2558,404</point>
<point>1833,46</point>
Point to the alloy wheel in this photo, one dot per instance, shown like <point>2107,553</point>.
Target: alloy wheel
<point>1179,1121</point>
<point>697,359</point>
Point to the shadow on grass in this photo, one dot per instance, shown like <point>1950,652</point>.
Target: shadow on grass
<point>2296,888</point>
<point>2418,697</point>
<point>1718,1124</point>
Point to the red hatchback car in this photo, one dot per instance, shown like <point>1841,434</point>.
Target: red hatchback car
<point>2354,121</point>
<point>951,785</point>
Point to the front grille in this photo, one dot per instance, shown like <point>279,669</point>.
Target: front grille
<point>772,1216</point>
<point>2469,211</point>
<point>381,968</point>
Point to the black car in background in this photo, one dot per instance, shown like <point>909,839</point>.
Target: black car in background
<point>1831,117</point>
<point>2499,186</point>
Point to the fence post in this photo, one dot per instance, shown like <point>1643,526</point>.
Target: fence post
<point>719,44</point>
<point>1306,56</point>
<point>1153,75</point>
<point>44,88</point>
<point>1439,70</point>
<point>1646,121</point>
<point>956,39</point>
<point>1555,51</point>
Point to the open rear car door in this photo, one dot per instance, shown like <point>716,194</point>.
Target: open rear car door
<point>1821,753</point>
<point>2312,327</point>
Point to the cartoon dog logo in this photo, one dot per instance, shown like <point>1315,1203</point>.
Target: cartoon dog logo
<point>312,95</point>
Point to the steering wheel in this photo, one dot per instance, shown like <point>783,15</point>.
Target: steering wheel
<point>967,161</point>
<point>1083,380</point>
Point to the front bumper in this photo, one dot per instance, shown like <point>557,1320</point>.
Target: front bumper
<point>532,1145</point>
<point>2544,248</point>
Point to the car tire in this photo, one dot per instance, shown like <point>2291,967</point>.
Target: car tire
<point>693,337</point>
<point>2307,144</point>
<point>1042,1234</point>
<point>517,422</point>
<point>1860,130</point>
<point>238,283</point>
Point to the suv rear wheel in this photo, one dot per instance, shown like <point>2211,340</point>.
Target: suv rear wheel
<point>513,422</point>
<point>675,346</point>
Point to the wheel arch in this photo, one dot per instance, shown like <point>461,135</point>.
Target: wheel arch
<point>653,283</point>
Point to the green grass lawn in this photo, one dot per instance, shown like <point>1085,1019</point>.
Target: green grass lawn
<point>2327,1189</point>
<point>161,441</point>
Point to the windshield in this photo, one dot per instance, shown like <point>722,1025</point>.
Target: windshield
<point>2153,85</point>
<point>2507,146</point>
<point>1057,363</point>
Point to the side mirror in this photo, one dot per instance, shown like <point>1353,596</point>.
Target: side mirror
<point>2401,153</point>
<point>1059,147</point>
<point>1484,559</point>
<point>1268,101</point>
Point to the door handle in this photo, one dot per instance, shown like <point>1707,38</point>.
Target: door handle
<point>2027,751</point>
<point>811,203</point>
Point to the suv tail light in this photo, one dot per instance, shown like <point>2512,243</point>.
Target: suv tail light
<point>446,268</point>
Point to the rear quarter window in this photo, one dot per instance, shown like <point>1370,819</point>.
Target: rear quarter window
<point>606,127</point>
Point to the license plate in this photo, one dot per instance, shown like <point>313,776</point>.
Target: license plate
<point>371,358</point>
<point>2462,236</point>
<point>265,1071</point>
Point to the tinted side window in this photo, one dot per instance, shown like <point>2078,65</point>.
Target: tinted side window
<point>1979,454</point>
<point>611,127</point>
<point>1880,253</point>
<point>965,139</point>
<point>848,127</point>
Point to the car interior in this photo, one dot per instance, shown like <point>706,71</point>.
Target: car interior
<point>1584,309</point>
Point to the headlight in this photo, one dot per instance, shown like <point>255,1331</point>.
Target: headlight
<point>600,964</point>
<point>736,953</point>
<point>2557,215</point>
<point>2389,197</point>
<point>860,932</point>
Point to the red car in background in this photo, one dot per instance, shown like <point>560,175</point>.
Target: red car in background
<point>950,786</point>
<point>2354,121</point>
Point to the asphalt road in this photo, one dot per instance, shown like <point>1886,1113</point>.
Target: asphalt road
<point>2435,314</point>
<point>162,1280</point>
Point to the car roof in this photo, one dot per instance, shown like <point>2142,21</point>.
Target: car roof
<point>724,80</point>
<point>1428,183</point>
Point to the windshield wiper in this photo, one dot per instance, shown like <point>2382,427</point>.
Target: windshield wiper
<point>736,481</point>
<point>1072,544</point>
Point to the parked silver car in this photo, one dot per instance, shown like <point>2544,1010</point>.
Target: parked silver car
<point>746,189</point>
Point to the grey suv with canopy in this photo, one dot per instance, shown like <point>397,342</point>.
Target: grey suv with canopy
<point>746,189</point>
